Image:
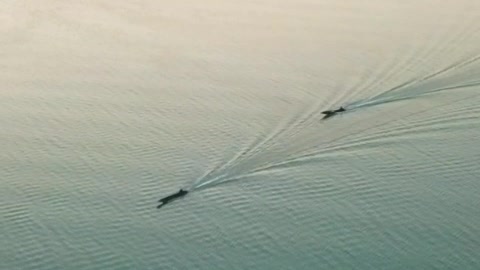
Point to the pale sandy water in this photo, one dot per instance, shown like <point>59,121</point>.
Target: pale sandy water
<point>105,107</point>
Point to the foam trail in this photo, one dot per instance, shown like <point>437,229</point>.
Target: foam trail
<point>395,98</point>
<point>412,84</point>
<point>434,75</point>
<point>198,184</point>
<point>360,103</point>
<point>287,125</point>
<point>211,182</point>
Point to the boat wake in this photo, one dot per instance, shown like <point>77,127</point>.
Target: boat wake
<point>296,140</point>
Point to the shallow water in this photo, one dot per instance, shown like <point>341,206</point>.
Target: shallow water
<point>106,107</point>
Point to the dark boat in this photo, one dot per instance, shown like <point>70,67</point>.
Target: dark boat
<point>331,113</point>
<point>172,197</point>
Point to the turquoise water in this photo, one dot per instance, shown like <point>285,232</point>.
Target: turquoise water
<point>106,107</point>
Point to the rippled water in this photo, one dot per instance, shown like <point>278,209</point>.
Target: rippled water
<point>106,107</point>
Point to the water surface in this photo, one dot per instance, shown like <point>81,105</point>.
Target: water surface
<point>106,107</point>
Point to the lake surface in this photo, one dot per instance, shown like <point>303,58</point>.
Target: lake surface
<point>105,107</point>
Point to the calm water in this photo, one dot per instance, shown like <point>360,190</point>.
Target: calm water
<point>106,107</point>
